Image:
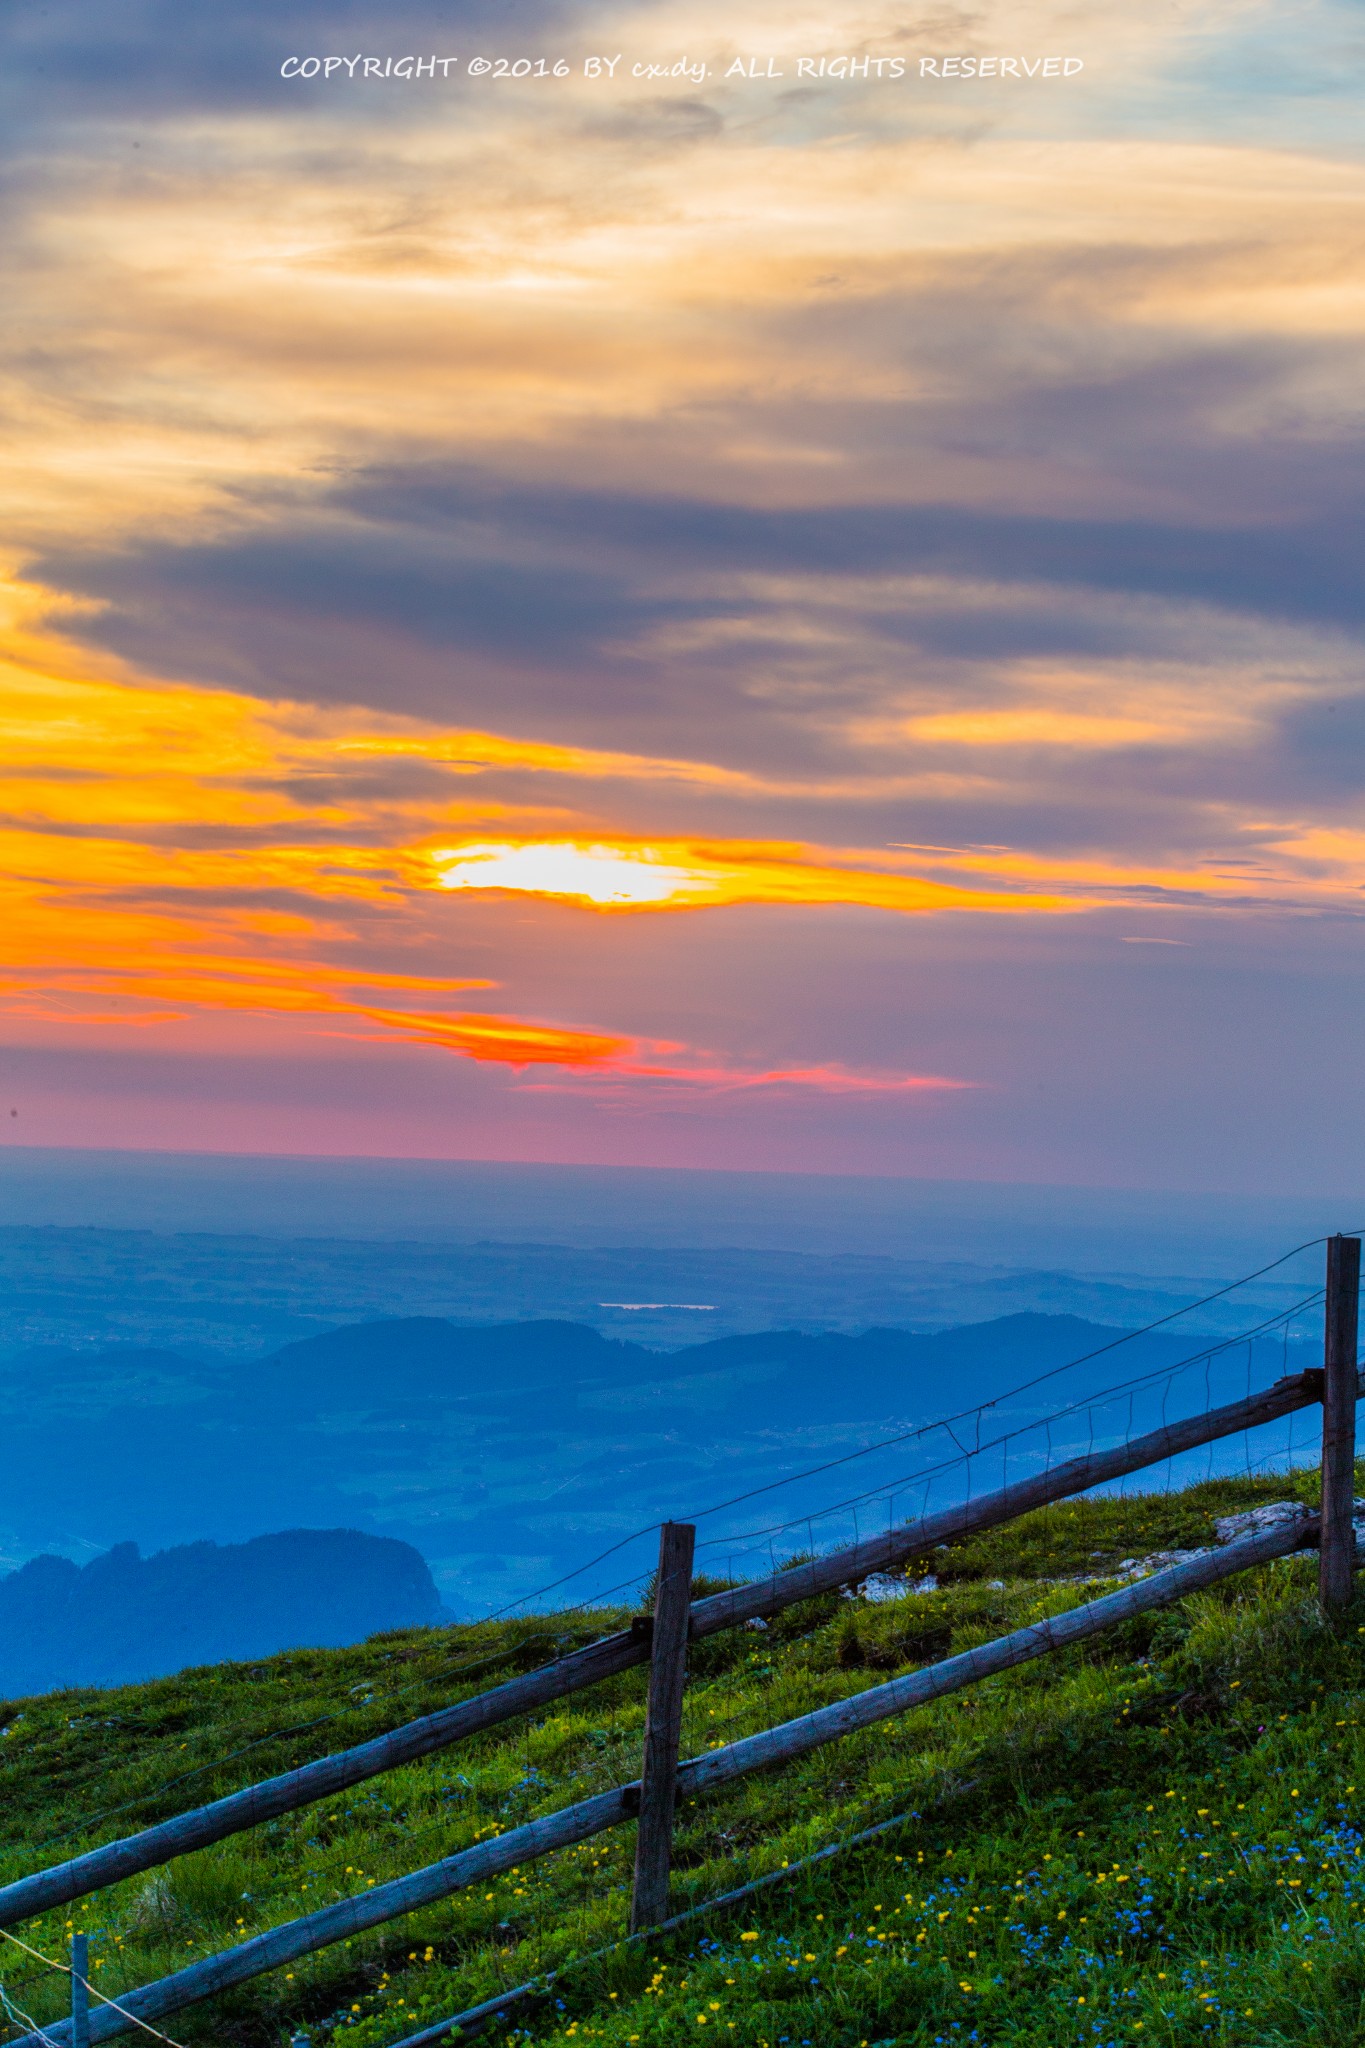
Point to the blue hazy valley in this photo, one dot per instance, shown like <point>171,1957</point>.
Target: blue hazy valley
<point>491,1415</point>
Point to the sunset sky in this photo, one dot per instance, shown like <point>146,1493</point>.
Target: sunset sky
<point>776,621</point>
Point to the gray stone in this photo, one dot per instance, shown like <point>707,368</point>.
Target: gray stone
<point>883,1586</point>
<point>1254,1521</point>
<point>1159,1561</point>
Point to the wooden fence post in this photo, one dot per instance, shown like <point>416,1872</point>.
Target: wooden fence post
<point>663,1725</point>
<point>1336,1559</point>
<point>80,1991</point>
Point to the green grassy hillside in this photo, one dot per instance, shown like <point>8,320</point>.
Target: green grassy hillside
<point>1156,1838</point>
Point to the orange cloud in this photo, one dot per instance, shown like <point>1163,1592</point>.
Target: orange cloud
<point>519,1042</point>
<point>510,1041</point>
<point>175,859</point>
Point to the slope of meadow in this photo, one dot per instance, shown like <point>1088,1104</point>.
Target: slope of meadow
<point>1156,1838</point>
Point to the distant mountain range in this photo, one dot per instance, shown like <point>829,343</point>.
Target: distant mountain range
<point>508,1454</point>
<point>124,1617</point>
<point>186,1290</point>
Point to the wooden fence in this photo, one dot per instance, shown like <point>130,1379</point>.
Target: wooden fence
<point>662,1639</point>
<point>329,1775</point>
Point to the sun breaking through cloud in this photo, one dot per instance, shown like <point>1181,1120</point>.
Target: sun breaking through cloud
<point>680,875</point>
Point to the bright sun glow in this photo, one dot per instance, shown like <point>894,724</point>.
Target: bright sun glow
<point>595,874</point>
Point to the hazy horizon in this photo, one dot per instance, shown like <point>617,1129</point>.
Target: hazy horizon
<point>462,1200</point>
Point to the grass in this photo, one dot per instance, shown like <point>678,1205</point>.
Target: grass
<point>1155,1838</point>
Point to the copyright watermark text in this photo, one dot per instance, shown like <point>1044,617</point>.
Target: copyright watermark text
<point>693,71</point>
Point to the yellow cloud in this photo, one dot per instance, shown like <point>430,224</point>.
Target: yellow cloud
<point>606,876</point>
<point>472,752</point>
<point>685,875</point>
<point>1036,726</point>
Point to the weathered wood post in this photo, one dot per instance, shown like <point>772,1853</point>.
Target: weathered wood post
<point>80,1991</point>
<point>663,1725</point>
<point>1336,1560</point>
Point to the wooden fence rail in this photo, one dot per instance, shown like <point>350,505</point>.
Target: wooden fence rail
<point>572,1824</point>
<point>322,1779</point>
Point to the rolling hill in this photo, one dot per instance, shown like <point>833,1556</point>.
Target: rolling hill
<point>509,1453</point>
